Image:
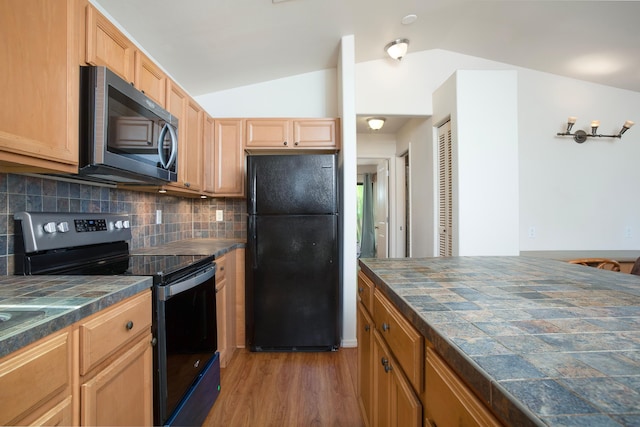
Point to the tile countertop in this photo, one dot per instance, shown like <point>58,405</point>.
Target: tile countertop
<point>215,247</point>
<point>59,301</point>
<point>541,342</point>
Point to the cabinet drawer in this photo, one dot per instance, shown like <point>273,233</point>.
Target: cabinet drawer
<point>403,340</point>
<point>449,401</point>
<point>104,334</point>
<point>221,268</point>
<point>365,291</point>
<point>30,378</point>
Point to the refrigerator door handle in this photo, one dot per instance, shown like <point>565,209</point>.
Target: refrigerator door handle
<point>253,232</point>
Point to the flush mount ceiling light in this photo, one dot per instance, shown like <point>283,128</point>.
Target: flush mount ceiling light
<point>397,49</point>
<point>581,136</point>
<point>375,123</point>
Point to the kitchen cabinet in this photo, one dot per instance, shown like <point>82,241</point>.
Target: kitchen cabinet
<point>280,134</point>
<point>107,46</point>
<point>240,297</point>
<point>225,307</point>
<point>116,364</point>
<point>149,78</point>
<point>224,157</point>
<point>193,158</point>
<point>42,44</point>
<point>389,361</point>
<point>365,360</point>
<point>395,403</point>
<point>36,382</point>
<point>449,402</point>
<point>402,380</point>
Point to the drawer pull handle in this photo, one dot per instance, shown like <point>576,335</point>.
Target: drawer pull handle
<point>129,325</point>
<point>385,327</point>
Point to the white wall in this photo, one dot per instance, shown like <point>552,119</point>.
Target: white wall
<point>416,137</point>
<point>574,196</point>
<point>348,170</point>
<point>306,95</point>
<point>485,160</point>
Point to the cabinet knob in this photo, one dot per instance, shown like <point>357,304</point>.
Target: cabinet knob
<point>129,325</point>
<point>385,327</point>
<point>387,368</point>
<point>367,328</point>
<point>360,290</point>
<point>285,143</point>
<point>186,184</point>
<point>296,143</point>
<point>384,361</point>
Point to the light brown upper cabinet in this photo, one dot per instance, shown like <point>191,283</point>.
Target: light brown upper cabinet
<point>108,47</point>
<point>150,79</point>
<point>292,133</point>
<point>192,141</point>
<point>39,104</point>
<point>225,167</point>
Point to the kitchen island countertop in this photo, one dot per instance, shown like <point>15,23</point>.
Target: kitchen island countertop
<point>541,342</point>
<point>57,302</point>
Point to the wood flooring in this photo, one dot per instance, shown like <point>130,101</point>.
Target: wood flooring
<point>288,389</point>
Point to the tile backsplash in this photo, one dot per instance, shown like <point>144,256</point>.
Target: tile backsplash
<point>182,218</point>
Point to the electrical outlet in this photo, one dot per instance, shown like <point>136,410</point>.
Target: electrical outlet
<point>532,232</point>
<point>219,215</point>
<point>158,216</point>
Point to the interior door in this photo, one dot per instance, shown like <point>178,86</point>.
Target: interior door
<point>382,209</point>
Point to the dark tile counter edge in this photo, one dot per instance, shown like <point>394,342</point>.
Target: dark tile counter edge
<point>68,316</point>
<point>501,403</point>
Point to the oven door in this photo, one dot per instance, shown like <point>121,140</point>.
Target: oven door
<point>187,344</point>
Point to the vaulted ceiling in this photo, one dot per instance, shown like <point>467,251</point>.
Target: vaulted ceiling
<point>212,45</point>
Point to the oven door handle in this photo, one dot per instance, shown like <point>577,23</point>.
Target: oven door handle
<point>166,292</point>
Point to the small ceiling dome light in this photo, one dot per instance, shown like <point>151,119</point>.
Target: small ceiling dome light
<point>375,123</point>
<point>397,49</point>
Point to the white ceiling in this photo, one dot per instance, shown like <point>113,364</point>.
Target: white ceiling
<point>212,45</point>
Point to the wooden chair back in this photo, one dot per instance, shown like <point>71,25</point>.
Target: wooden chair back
<point>601,263</point>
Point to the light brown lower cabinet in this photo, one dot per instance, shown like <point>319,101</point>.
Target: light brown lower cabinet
<point>395,404</point>
<point>97,371</point>
<point>225,307</point>
<point>36,382</point>
<point>448,401</point>
<point>402,381</point>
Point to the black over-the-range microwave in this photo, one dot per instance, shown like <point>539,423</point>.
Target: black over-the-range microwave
<point>125,137</point>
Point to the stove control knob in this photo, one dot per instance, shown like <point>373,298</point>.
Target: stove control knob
<point>63,227</point>
<point>119,224</point>
<point>50,227</point>
<point>126,224</point>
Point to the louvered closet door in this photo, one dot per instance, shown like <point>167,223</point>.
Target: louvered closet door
<point>445,214</point>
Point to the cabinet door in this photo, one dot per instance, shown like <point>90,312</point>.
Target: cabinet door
<point>268,133</point>
<point>315,133</point>
<point>40,54</point>
<point>365,363</point>
<point>448,401</point>
<point>193,142</point>
<point>177,105</point>
<point>395,403</point>
<point>107,46</point>
<point>228,160</point>
<point>121,393</point>
<point>36,377</point>
<point>150,79</point>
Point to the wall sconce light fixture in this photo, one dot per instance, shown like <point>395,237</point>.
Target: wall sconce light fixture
<point>376,123</point>
<point>581,136</point>
<point>397,49</point>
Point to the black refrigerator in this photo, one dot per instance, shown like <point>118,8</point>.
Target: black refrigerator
<point>292,271</point>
